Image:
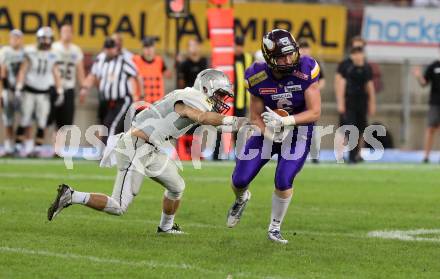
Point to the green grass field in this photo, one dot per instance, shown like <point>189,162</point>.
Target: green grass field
<point>328,225</point>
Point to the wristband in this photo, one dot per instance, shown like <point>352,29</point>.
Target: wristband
<point>289,120</point>
<point>228,120</point>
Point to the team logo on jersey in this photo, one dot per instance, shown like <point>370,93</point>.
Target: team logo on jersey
<point>52,56</point>
<point>293,88</point>
<point>300,75</point>
<point>281,96</point>
<point>257,78</point>
<point>267,91</point>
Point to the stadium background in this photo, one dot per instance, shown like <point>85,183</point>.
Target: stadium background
<point>402,104</point>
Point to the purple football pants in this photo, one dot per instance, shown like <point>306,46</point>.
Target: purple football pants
<point>292,154</point>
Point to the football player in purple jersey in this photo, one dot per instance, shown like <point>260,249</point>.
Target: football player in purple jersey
<point>285,104</point>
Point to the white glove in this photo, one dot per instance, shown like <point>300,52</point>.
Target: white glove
<point>234,123</point>
<point>60,98</point>
<point>272,119</point>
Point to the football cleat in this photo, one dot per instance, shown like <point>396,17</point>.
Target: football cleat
<point>175,229</point>
<point>62,200</point>
<point>236,210</point>
<point>275,236</point>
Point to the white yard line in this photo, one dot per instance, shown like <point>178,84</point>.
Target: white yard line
<point>144,263</point>
<point>408,235</point>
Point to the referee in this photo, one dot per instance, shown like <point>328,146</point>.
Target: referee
<point>115,77</point>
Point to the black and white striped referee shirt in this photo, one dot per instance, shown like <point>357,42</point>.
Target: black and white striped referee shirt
<point>113,76</point>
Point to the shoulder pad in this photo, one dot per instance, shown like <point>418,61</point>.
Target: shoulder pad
<point>193,98</point>
<point>315,70</point>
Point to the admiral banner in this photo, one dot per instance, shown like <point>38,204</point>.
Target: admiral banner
<point>323,25</point>
<point>401,33</point>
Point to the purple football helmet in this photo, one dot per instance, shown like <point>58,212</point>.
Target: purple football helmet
<point>278,43</point>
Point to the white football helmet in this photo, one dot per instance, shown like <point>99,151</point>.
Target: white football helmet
<point>45,37</point>
<point>216,85</point>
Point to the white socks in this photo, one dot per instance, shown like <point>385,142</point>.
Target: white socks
<point>8,146</point>
<point>166,221</point>
<point>279,209</point>
<point>28,146</point>
<point>80,197</point>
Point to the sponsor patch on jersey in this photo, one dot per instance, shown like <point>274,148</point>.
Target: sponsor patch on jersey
<point>281,96</point>
<point>293,88</point>
<point>257,78</point>
<point>267,91</point>
<point>301,75</point>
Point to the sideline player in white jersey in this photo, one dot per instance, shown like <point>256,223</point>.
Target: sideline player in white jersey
<point>11,58</point>
<point>38,73</point>
<point>138,152</point>
<point>71,67</point>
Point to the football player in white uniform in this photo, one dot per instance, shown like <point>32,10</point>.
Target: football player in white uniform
<point>138,152</point>
<point>11,58</point>
<point>71,67</point>
<point>38,73</point>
